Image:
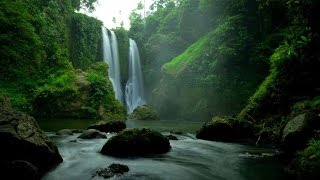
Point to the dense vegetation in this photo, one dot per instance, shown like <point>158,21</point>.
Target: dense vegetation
<point>257,59</point>
<point>43,42</point>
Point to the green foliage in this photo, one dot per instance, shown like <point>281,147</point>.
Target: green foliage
<point>18,100</point>
<point>179,63</point>
<point>216,65</point>
<point>306,105</point>
<point>38,40</point>
<point>85,37</point>
<point>276,94</point>
<point>56,94</point>
<point>144,113</point>
<point>87,5</point>
<point>308,160</point>
<point>20,48</point>
<point>101,96</point>
<point>167,31</point>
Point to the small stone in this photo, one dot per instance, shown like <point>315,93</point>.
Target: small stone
<point>111,171</point>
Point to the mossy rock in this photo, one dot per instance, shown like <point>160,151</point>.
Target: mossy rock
<point>299,130</point>
<point>144,113</point>
<point>5,102</point>
<point>226,129</point>
<point>136,142</point>
<point>109,126</point>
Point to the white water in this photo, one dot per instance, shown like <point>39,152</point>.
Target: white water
<point>189,159</point>
<point>134,87</point>
<point>111,57</point>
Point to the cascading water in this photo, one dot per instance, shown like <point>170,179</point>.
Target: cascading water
<point>111,57</point>
<point>134,87</point>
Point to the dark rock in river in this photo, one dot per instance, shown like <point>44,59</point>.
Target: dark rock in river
<point>176,131</point>
<point>77,130</point>
<point>92,134</point>
<point>225,129</point>
<point>135,142</point>
<point>299,130</point>
<point>171,137</point>
<point>64,132</point>
<point>144,113</point>
<point>22,139</point>
<point>111,171</point>
<point>19,169</point>
<point>109,126</point>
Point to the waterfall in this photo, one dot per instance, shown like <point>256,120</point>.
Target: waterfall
<point>111,57</point>
<point>134,88</point>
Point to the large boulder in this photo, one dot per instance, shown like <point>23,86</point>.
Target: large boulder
<point>144,113</point>
<point>19,169</point>
<point>299,130</point>
<point>22,139</point>
<point>109,126</point>
<point>136,142</point>
<point>226,129</point>
<point>92,134</point>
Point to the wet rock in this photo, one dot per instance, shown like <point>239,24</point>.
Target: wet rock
<point>144,113</point>
<point>109,126</point>
<point>77,130</point>
<point>92,134</point>
<point>19,169</point>
<point>171,137</point>
<point>226,129</point>
<point>299,130</point>
<point>111,171</point>
<point>22,139</point>
<point>135,142</point>
<point>176,131</point>
<point>64,132</point>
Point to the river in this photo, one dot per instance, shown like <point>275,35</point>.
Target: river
<point>189,158</point>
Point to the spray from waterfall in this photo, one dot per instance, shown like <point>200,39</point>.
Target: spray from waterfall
<point>111,57</point>
<point>134,92</point>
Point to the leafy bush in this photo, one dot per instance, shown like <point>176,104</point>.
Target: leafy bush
<point>56,94</point>
<point>102,97</point>
<point>308,160</point>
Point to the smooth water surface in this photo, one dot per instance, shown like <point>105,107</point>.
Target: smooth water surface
<point>53,125</point>
<point>189,158</point>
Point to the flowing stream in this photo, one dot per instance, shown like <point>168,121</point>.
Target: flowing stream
<point>134,88</point>
<point>189,159</point>
<point>111,57</point>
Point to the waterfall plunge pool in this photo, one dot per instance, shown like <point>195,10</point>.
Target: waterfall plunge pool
<point>189,157</point>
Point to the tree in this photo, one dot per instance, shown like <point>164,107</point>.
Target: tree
<point>87,5</point>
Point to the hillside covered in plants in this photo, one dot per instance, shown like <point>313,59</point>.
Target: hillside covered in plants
<point>255,60</point>
<point>51,62</point>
